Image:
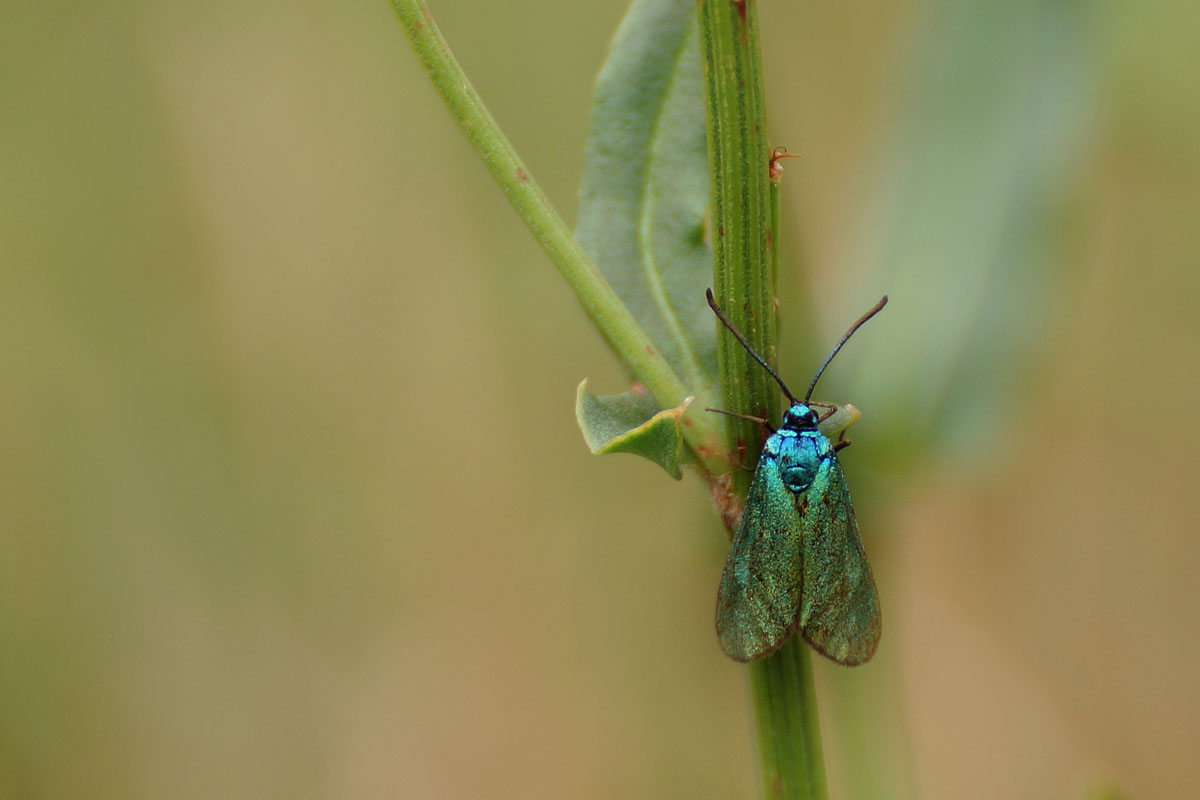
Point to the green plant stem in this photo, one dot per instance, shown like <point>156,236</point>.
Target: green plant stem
<point>739,156</point>
<point>744,245</point>
<point>703,432</point>
<point>788,732</point>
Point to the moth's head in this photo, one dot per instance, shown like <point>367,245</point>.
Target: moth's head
<point>800,418</point>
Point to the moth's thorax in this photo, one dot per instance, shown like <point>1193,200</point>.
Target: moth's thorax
<point>798,448</point>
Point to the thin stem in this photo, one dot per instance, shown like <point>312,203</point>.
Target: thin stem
<point>703,432</point>
<point>738,161</point>
<point>745,213</point>
<point>789,735</point>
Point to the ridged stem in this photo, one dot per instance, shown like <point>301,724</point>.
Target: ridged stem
<point>744,214</point>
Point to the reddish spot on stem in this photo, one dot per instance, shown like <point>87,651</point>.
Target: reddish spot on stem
<point>770,238</point>
<point>727,504</point>
<point>521,176</point>
<point>720,230</point>
<point>740,5</point>
<point>650,349</point>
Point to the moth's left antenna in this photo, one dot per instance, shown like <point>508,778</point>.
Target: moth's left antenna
<point>738,335</point>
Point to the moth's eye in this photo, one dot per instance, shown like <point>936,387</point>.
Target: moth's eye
<point>811,418</point>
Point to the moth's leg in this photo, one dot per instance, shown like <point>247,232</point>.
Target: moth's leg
<point>832,409</point>
<point>770,428</point>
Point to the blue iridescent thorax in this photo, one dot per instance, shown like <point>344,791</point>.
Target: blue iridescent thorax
<point>798,448</point>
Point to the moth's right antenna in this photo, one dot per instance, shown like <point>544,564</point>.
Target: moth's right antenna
<point>875,309</point>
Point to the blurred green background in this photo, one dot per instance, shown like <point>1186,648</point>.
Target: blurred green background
<point>292,500</point>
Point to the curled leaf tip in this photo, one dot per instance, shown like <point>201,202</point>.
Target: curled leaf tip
<point>632,423</point>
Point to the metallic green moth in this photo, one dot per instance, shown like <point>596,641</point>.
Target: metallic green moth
<point>797,563</point>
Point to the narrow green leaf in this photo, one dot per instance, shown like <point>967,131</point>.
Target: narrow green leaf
<point>632,423</point>
<point>645,186</point>
<point>953,228</point>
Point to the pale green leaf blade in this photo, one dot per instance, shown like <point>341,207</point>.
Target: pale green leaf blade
<point>645,188</point>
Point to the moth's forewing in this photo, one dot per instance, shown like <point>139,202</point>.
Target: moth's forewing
<point>839,607</point>
<point>760,588</point>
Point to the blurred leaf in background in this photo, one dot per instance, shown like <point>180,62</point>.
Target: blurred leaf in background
<point>292,501</point>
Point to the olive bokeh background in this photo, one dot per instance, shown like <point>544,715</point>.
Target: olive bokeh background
<point>292,500</point>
